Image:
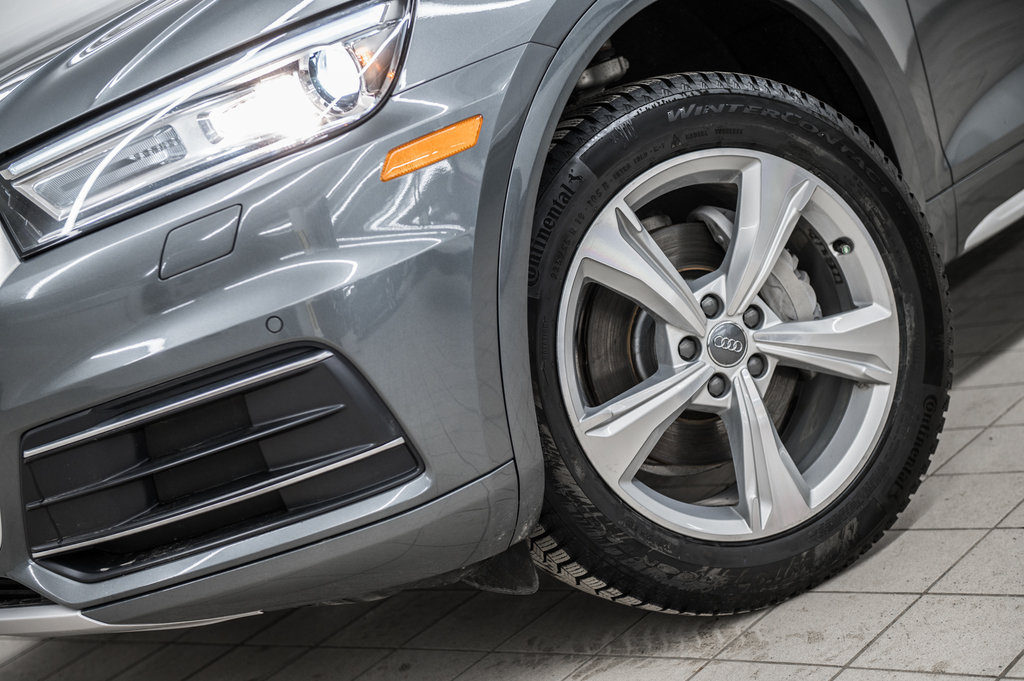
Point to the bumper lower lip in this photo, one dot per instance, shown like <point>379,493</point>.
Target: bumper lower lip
<point>57,620</point>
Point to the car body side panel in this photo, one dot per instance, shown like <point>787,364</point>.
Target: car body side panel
<point>941,209</point>
<point>974,55</point>
<point>877,38</point>
<point>986,190</point>
<point>483,27</point>
<point>975,60</point>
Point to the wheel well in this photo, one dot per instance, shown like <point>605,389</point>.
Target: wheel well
<point>747,36</point>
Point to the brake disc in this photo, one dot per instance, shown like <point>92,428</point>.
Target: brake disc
<point>693,455</point>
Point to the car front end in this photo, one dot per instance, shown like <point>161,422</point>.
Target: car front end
<point>246,366</point>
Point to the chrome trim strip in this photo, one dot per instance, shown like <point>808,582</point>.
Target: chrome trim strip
<point>187,456</point>
<point>139,417</point>
<point>220,504</point>
<point>57,620</point>
<point>1007,213</point>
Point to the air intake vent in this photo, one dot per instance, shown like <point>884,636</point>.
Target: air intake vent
<point>13,595</point>
<point>201,462</point>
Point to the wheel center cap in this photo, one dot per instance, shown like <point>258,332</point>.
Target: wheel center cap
<point>727,344</point>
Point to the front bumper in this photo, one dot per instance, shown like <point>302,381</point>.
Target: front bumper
<point>397,277</point>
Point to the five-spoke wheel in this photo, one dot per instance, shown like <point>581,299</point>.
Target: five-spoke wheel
<point>733,342</point>
<point>740,344</point>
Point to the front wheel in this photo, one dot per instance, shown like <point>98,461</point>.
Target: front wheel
<point>740,344</point>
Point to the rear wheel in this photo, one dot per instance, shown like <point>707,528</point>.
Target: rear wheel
<point>740,344</point>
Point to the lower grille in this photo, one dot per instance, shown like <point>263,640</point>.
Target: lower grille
<point>13,595</point>
<point>176,470</point>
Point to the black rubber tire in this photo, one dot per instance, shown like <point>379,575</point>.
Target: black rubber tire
<point>587,536</point>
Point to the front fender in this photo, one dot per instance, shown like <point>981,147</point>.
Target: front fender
<point>873,38</point>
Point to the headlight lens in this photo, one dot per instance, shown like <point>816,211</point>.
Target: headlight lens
<point>287,92</point>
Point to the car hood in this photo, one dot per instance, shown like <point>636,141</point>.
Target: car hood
<point>105,51</point>
<point>29,28</point>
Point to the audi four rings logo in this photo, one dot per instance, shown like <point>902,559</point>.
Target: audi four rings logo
<point>727,344</point>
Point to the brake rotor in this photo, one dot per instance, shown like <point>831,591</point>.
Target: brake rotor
<point>617,346</point>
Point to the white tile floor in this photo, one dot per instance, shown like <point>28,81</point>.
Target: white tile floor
<point>940,598</point>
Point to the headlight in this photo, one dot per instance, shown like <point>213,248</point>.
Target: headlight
<point>286,92</point>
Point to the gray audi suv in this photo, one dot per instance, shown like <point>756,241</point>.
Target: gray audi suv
<point>311,301</point>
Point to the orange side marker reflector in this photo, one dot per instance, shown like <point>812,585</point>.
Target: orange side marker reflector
<point>429,149</point>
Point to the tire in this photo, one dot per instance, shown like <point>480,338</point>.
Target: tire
<point>740,344</point>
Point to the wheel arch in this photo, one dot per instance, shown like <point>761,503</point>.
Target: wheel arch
<point>860,50</point>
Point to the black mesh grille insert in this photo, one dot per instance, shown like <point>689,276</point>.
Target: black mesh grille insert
<point>242,449</point>
<point>13,595</point>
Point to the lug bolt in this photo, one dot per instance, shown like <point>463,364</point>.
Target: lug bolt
<point>718,385</point>
<point>756,365</point>
<point>689,348</point>
<point>842,246</point>
<point>711,306</point>
<point>752,317</point>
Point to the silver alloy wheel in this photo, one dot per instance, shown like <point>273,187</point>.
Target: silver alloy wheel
<point>859,344</point>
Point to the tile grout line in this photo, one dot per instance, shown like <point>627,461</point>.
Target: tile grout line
<point>1013,662</point>
<point>768,663</point>
<point>985,387</point>
<point>999,526</point>
<point>705,661</point>
<point>992,529</point>
<point>435,620</point>
<point>958,528</point>
<point>1017,326</point>
<point>849,663</point>
<point>479,655</point>
<point>213,661</point>
<point>494,649</point>
<point>524,627</point>
<point>929,591</point>
<point>967,444</point>
<point>1001,414</point>
<point>230,647</point>
<point>317,642</point>
<point>963,475</point>
<point>569,675</point>
<point>70,662</point>
<point>400,645</point>
<point>158,650</point>
<point>936,675</point>
<point>275,669</point>
<point>595,655</point>
<point>335,632</point>
<point>757,620</point>
<point>959,560</point>
<point>1001,426</point>
<point>28,650</point>
<point>971,594</point>
<point>1007,384</point>
<point>625,631</point>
